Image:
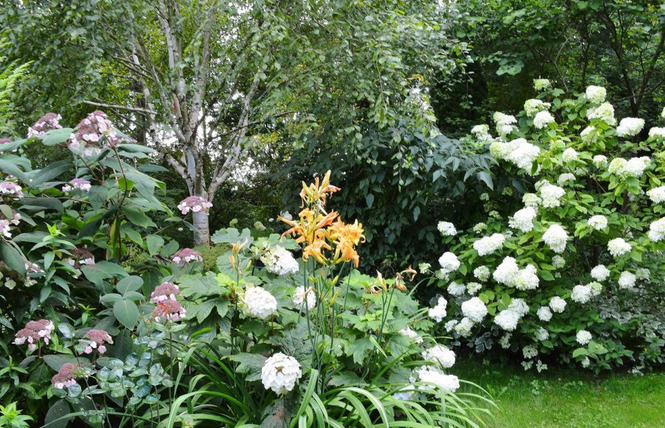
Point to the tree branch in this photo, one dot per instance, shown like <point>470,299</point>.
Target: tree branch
<point>118,107</point>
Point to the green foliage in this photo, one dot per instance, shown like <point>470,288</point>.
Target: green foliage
<point>10,74</point>
<point>11,417</point>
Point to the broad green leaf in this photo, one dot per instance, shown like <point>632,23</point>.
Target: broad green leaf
<point>154,243</point>
<point>126,312</point>
<point>130,283</point>
<point>57,136</point>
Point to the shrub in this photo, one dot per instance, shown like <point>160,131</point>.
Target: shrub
<point>575,274</point>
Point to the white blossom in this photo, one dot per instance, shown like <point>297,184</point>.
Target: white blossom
<point>259,302</point>
<point>587,133</point>
<point>482,273</point>
<point>523,219</point>
<point>533,106</point>
<point>581,294</point>
<point>446,228</point>
<point>506,272</point>
<point>600,273</point>
<point>464,327</point>
<point>556,237</point>
<point>557,304</point>
<point>435,376</point>
<point>441,355</point>
<point>438,312</point>
<point>598,222</point>
<point>542,119</point>
<point>627,280</point>
<point>474,309</point>
<point>558,262</point>
<point>657,133</point>
<point>544,313</point>
<point>604,112</point>
<point>657,230</point>
<point>596,94</point>
<point>569,155</point>
<point>507,319</point>
<point>304,298</point>
<point>542,84</point>
<point>504,123</point>
<point>630,126</point>
<point>565,178</point>
<point>473,287</point>
<point>583,337</point>
<point>599,160</point>
<point>526,279</point>
<point>657,194</point>
<point>280,373</point>
<point>551,195</point>
<point>489,244</point>
<point>529,352</point>
<point>408,332</point>
<point>456,289</point>
<point>449,262</point>
<point>542,334</point>
<point>618,247</point>
<point>531,200</point>
<point>635,167</point>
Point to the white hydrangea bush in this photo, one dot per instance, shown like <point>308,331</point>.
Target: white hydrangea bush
<point>572,270</point>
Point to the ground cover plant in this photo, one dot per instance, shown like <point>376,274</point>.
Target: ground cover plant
<point>575,274</point>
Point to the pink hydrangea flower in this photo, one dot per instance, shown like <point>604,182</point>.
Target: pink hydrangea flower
<point>11,188</point>
<point>165,291</point>
<point>168,310</point>
<point>92,130</point>
<point>96,340</point>
<point>4,229</point>
<point>77,183</point>
<point>33,332</point>
<point>47,123</point>
<point>194,204</point>
<point>5,140</point>
<point>80,256</point>
<point>187,255</point>
<point>66,377</point>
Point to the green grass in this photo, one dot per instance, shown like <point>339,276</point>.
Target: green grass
<point>561,398</point>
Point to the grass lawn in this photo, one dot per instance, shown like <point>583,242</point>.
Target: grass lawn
<point>569,398</point>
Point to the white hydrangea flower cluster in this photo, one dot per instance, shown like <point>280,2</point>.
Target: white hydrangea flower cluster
<point>440,355</point>
<point>482,132</point>
<point>482,273</point>
<point>598,222</point>
<point>542,84</point>
<point>556,238</point>
<point>449,263</point>
<point>657,230</point>
<point>566,178</point>
<point>569,155</point>
<point>630,126</point>
<point>474,309</point>
<point>280,261</point>
<point>634,167</point>
<point>558,262</point>
<point>504,123</point>
<point>657,133</point>
<point>533,106</point>
<point>518,152</point>
<point>464,327</point>
<point>604,112</point>
<point>542,334</point>
<point>523,219</point>
<point>588,133</point>
<point>600,273</point>
<point>305,299</point>
<point>531,200</point>
<point>408,332</point>
<point>259,302</point>
<point>544,313</point>
<point>581,293</point>
<point>583,337</point>
<point>489,244</point>
<point>438,312</point>
<point>599,160</point>
<point>446,228</point>
<point>280,373</point>
<point>551,195</point>
<point>627,280</point>
<point>542,119</point>
<point>657,194</point>
<point>433,375</point>
<point>529,352</point>
<point>557,304</point>
<point>595,94</point>
<point>473,287</point>
<point>510,317</point>
<point>509,274</point>
<point>618,247</point>
<point>456,289</point>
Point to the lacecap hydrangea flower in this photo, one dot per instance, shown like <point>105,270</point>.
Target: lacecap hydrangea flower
<point>259,303</point>
<point>48,122</point>
<point>95,339</point>
<point>77,184</point>
<point>164,291</point>
<point>34,332</point>
<point>187,255</point>
<point>168,310</point>
<point>194,204</point>
<point>66,376</point>
<point>280,373</point>
<point>10,188</point>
